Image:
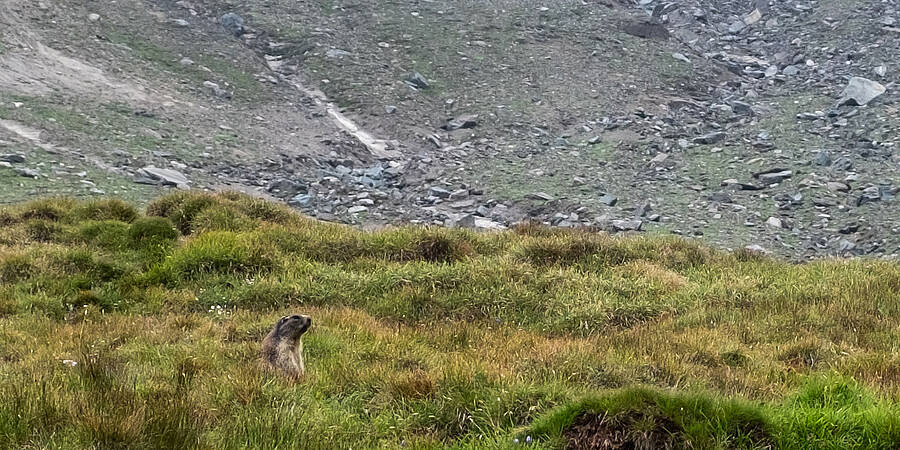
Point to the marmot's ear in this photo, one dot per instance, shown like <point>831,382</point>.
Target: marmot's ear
<point>280,322</point>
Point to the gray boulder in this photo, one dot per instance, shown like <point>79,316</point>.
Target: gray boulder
<point>542,196</point>
<point>775,177</point>
<point>233,23</point>
<point>166,177</point>
<point>15,158</point>
<point>461,122</point>
<point>756,249</point>
<point>215,90</point>
<point>835,186</point>
<point>439,192</point>
<point>287,187</point>
<point>416,80</point>
<point>860,91</point>
<point>627,225</point>
<point>822,159</point>
<point>337,53</point>
<point>791,70</point>
<point>608,199</point>
<point>301,200</point>
<point>710,138</point>
<point>742,108</point>
<point>472,221</point>
<point>28,173</point>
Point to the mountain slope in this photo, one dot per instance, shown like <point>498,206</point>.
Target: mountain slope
<point>708,119</point>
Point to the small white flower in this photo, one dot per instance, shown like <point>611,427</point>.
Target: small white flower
<point>70,363</point>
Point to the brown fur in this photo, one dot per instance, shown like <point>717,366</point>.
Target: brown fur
<point>282,349</point>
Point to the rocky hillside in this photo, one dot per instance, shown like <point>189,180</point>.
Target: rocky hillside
<point>745,123</point>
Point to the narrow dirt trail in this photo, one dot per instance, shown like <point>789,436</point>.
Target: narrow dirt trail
<point>32,135</point>
<point>379,148</point>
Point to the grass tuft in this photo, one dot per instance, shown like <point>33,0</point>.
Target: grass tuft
<point>217,252</point>
<point>105,210</point>
<point>152,231</point>
<point>43,230</point>
<point>15,267</point>
<point>51,209</point>
<point>181,208</point>
<point>108,234</point>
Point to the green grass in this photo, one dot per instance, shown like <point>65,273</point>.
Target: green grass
<point>62,176</point>
<point>162,57</point>
<point>787,131</point>
<point>95,129</point>
<point>426,338</point>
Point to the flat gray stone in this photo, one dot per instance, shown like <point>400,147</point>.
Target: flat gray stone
<point>742,108</point>
<point>835,186</point>
<point>608,199</point>
<point>775,222</point>
<point>462,122</point>
<point>214,89</point>
<point>301,200</point>
<point>439,192</point>
<point>775,177</point>
<point>822,159</point>
<point>627,225</point>
<point>471,221</point>
<point>337,53</point>
<point>463,204</point>
<point>756,248</point>
<point>28,173</point>
<point>15,158</point>
<point>791,70</point>
<point>416,80</point>
<point>736,27</point>
<point>709,138</point>
<point>543,196</point>
<point>860,91</point>
<point>459,194</point>
<point>166,177</point>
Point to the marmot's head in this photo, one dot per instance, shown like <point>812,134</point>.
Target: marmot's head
<point>292,327</point>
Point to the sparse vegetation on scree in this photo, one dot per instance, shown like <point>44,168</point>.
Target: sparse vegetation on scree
<point>123,329</point>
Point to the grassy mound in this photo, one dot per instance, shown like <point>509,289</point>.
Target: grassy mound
<point>827,412</point>
<point>645,419</point>
<point>122,329</point>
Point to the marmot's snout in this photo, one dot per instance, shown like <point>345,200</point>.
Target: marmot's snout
<point>300,323</point>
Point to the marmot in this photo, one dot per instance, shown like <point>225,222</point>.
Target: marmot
<point>282,348</point>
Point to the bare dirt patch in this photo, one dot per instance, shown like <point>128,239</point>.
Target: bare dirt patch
<point>31,67</point>
<point>27,133</point>
<point>633,430</point>
<point>42,70</point>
